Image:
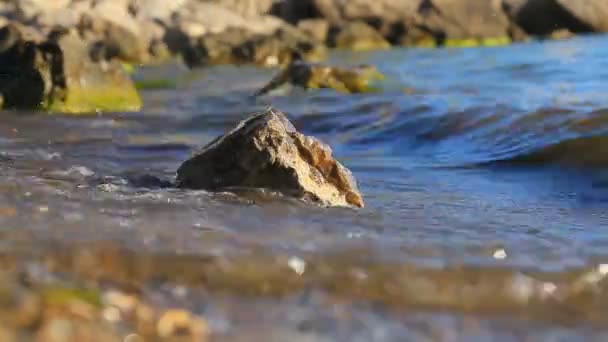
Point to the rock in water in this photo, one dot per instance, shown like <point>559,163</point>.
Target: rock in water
<point>55,73</point>
<point>266,151</point>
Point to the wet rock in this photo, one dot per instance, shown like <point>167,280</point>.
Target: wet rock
<point>317,29</point>
<point>265,151</point>
<point>56,73</point>
<point>358,36</point>
<point>315,76</point>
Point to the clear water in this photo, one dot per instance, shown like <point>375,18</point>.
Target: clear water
<point>484,172</point>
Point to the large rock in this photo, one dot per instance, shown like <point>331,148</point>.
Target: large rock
<point>56,73</point>
<point>266,151</point>
<point>543,17</point>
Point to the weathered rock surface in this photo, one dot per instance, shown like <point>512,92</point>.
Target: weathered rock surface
<point>266,151</point>
<point>56,73</point>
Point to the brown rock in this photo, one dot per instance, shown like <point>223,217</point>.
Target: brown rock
<point>358,36</point>
<point>317,29</point>
<point>463,19</point>
<point>266,151</point>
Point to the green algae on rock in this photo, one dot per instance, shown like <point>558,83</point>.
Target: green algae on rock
<point>359,79</point>
<point>56,74</point>
<point>265,151</point>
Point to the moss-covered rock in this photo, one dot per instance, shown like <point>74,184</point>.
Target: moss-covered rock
<point>56,73</point>
<point>359,79</point>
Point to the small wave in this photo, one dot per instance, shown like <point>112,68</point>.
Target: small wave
<point>585,152</point>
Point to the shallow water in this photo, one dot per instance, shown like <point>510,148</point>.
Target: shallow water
<point>484,173</point>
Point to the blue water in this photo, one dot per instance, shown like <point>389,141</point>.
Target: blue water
<point>485,159</point>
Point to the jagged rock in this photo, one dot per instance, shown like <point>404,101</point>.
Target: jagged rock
<point>543,17</point>
<point>56,74</point>
<point>358,36</point>
<point>315,76</point>
<point>266,151</point>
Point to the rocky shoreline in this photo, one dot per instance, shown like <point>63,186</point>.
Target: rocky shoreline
<point>88,40</point>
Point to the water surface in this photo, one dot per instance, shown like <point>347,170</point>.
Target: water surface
<point>484,172</point>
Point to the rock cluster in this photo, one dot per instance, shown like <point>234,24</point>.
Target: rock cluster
<point>266,151</point>
<point>266,31</point>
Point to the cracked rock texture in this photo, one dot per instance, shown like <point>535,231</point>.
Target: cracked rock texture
<point>266,151</point>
